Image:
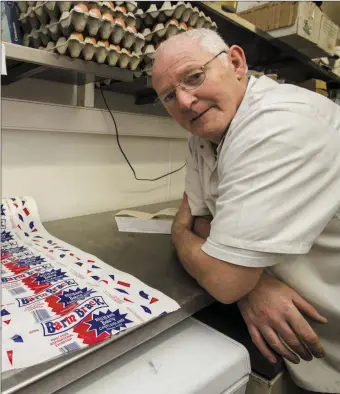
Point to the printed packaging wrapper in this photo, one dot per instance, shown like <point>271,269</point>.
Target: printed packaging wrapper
<point>52,302</point>
<point>96,319</point>
<point>57,298</point>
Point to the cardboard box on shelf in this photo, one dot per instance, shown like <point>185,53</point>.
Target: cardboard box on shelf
<point>332,10</point>
<point>10,30</point>
<point>272,15</point>
<point>322,91</point>
<point>303,33</point>
<point>315,85</point>
<point>246,5</point>
<point>328,35</point>
<point>327,39</point>
<point>302,25</point>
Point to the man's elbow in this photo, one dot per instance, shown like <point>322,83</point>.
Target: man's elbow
<point>230,291</point>
<point>228,297</point>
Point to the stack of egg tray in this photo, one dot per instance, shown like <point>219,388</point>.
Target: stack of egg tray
<point>101,31</point>
<point>160,21</point>
<point>163,20</point>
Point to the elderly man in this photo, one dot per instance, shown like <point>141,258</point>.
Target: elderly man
<point>264,167</point>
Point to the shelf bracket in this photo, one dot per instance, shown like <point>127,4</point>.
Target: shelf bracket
<point>85,95</point>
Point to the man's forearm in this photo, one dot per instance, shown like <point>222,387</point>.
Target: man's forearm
<point>219,278</point>
<point>188,245</point>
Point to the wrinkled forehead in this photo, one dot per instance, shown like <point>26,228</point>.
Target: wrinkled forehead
<point>176,58</point>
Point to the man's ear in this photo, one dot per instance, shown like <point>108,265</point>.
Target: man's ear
<point>238,60</point>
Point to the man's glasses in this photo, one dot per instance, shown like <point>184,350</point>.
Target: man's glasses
<point>189,81</point>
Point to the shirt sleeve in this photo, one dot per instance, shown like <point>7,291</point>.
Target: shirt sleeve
<point>193,184</point>
<point>279,187</point>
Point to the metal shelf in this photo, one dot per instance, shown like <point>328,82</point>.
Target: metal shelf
<point>25,62</point>
<point>265,52</point>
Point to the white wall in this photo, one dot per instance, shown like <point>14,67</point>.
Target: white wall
<point>71,174</point>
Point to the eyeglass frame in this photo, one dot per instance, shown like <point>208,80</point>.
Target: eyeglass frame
<point>202,68</point>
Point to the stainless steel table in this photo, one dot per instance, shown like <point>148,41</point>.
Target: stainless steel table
<point>149,257</point>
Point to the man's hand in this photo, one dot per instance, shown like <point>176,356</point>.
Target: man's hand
<point>272,312</point>
<point>184,217</point>
<point>202,226</point>
<point>226,282</point>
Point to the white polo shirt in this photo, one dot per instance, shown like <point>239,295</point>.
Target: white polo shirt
<point>274,193</point>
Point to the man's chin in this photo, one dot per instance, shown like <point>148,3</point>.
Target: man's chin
<point>209,132</point>
<point>203,132</point>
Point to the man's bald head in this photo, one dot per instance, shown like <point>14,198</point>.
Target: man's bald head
<point>203,39</point>
<point>200,81</point>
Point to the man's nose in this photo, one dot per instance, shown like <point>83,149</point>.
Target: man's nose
<point>185,98</point>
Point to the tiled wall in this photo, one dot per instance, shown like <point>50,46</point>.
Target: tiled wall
<point>71,174</point>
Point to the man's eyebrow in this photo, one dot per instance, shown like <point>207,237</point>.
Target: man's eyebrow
<point>166,91</point>
<point>186,70</point>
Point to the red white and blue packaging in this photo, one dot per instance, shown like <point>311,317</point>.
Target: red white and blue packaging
<point>56,298</point>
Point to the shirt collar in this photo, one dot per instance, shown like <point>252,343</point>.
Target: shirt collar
<point>208,152</point>
<point>256,87</point>
<point>242,109</point>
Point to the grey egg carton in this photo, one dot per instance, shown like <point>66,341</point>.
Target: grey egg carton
<point>41,37</point>
<point>41,13</point>
<point>74,21</point>
<point>49,12</point>
<point>182,12</point>
<point>147,69</point>
<point>105,6</point>
<point>78,20</point>
<point>101,52</point>
<point>23,5</point>
<point>161,31</point>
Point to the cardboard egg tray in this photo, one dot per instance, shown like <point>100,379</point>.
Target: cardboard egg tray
<point>117,6</point>
<point>147,69</point>
<point>181,12</point>
<point>161,31</point>
<point>92,15</point>
<point>41,13</point>
<point>118,33</point>
<point>148,54</point>
<point>144,69</point>
<point>101,52</point>
<point>103,25</point>
<point>23,5</point>
<point>125,37</point>
<point>105,28</point>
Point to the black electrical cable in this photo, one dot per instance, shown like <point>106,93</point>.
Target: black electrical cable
<point>125,157</point>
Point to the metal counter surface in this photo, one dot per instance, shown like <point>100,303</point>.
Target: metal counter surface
<point>149,257</point>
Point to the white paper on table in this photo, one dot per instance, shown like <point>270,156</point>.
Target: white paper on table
<point>146,215</point>
<point>3,60</point>
<point>38,270</point>
<point>136,225</point>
